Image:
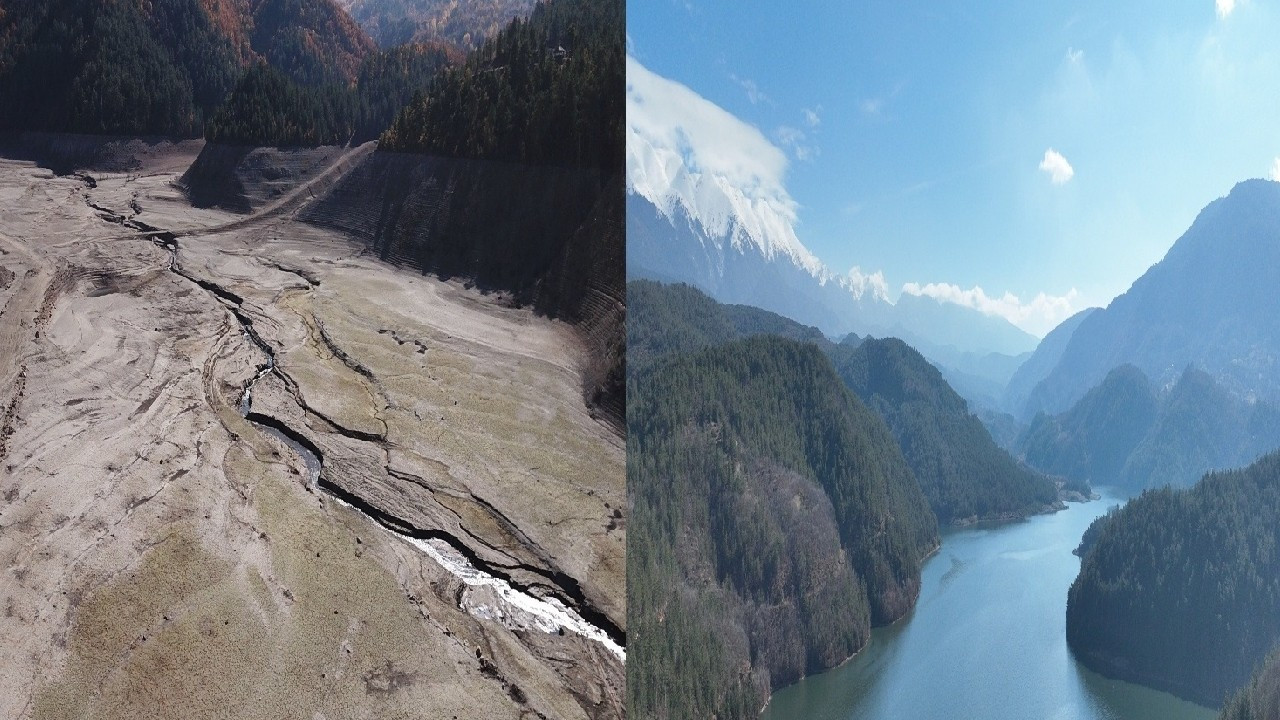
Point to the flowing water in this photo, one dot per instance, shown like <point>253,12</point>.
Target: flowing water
<point>987,640</point>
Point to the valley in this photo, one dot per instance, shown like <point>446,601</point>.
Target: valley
<point>994,596</point>
<point>243,456</point>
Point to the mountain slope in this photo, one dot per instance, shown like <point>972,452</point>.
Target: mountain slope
<point>1127,434</point>
<point>963,474</point>
<point>773,522</point>
<point>1260,699</point>
<point>731,233</point>
<point>464,25</point>
<point>1201,427</point>
<point>313,41</point>
<point>1041,363</point>
<point>675,246</point>
<point>1209,303</point>
<point>543,92</point>
<point>1179,591</point>
<point>460,187</point>
<point>666,319</point>
<point>269,108</point>
<point>158,67</point>
<point>1094,439</point>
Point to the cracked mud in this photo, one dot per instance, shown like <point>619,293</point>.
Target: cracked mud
<point>248,471</point>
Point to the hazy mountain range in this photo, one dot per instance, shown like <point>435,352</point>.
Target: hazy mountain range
<point>1129,433</point>
<point>699,228</point>
<point>1210,303</point>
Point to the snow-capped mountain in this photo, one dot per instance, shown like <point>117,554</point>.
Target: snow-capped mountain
<point>720,212</point>
<point>707,206</point>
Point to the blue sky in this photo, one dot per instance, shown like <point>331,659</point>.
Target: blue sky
<point>988,152</point>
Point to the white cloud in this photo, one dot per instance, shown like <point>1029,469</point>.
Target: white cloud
<point>1060,171</point>
<point>684,151</point>
<point>811,117</point>
<point>754,93</point>
<point>668,115</point>
<point>1224,7</point>
<point>795,139</point>
<point>1275,169</point>
<point>789,135</point>
<point>1074,56</point>
<point>872,106</point>
<point>1038,316</point>
<point>860,283</point>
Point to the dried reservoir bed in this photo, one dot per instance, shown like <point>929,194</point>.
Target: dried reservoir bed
<point>166,556</point>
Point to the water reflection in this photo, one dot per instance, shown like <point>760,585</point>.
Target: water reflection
<point>987,639</point>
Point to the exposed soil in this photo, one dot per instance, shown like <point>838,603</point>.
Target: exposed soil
<point>166,556</point>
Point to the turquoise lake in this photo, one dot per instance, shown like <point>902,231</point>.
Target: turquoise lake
<point>987,639</point>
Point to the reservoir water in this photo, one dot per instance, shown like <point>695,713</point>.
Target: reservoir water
<point>987,639</point>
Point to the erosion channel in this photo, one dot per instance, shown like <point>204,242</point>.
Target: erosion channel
<point>256,453</point>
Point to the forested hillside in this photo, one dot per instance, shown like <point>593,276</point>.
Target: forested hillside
<point>389,80</point>
<point>773,522</point>
<point>464,25</point>
<point>664,319</point>
<point>314,42</point>
<point>1260,699</point>
<point>1201,427</point>
<point>1181,588</point>
<point>160,67</point>
<point>267,107</point>
<point>1126,434</point>
<point>1094,439</point>
<point>963,473</point>
<point>545,91</point>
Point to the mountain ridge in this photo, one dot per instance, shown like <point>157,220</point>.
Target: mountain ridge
<point>739,245</point>
<point>1206,303</point>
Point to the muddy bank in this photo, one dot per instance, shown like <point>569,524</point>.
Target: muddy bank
<point>549,237</point>
<point>64,153</point>
<point>167,557</point>
<point>241,178</point>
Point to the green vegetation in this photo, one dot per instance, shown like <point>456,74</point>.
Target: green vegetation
<point>546,91</point>
<point>1091,533</point>
<point>961,470</point>
<point>773,522</point>
<point>160,67</point>
<point>1260,699</point>
<point>267,107</point>
<point>1124,433</point>
<point>389,80</point>
<point>1095,438</point>
<point>102,66</point>
<point>314,42</point>
<point>300,72</point>
<point>464,25</point>
<point>774,515</point>
<point>963,473</point>
<point>1201,427</point>
<point>1181,588</point>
